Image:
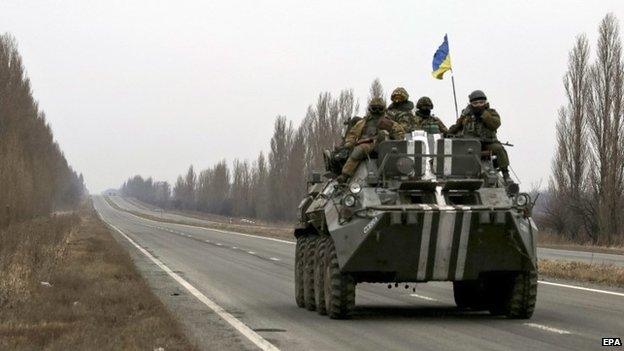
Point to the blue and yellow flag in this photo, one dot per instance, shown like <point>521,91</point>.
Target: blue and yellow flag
<point>441,60</point>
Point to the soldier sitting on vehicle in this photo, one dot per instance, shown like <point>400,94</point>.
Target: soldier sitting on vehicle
<point>479,121</point>
<point>366,134</point>
<point>400,108</point>
<point>336,159</point>
<point>423,120</point>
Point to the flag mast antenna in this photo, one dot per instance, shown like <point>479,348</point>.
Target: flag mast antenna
<point>454,95</point>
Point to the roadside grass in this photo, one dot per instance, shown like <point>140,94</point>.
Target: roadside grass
<point>602,274</point>
<point>66,284</point>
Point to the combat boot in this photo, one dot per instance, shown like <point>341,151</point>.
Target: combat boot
<point>512,187</point>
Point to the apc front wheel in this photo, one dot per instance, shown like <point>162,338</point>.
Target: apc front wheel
<point>299,260</point>
<point>523,295</point>
<point>339,288</point>
<point>308,273</point>
<point>319,275</point>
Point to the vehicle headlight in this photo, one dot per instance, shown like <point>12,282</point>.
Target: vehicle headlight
<point>522,199</point>
<point>349,200</point>
<point>405,165</point>
<point>355,188</point>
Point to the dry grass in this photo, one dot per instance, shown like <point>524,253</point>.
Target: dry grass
<point>593,273</point>
<point>97,300</point>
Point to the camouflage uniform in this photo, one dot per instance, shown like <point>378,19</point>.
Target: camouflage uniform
<point>428,123</point>
<point>400,108</point>
<point>483,125</point>
<point>366,133</point>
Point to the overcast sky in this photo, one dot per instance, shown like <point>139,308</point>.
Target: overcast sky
<point>150,87</point>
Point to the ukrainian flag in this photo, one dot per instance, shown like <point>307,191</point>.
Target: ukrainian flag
<point>441,60</point>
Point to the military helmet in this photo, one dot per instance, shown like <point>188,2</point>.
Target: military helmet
<point>424,103</point>
<point>399,94</point>
<point>477,95</point>
<point>376,105</point>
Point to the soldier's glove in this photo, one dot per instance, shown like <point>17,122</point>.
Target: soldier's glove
<point>385,124</point>
<point>365,141</point>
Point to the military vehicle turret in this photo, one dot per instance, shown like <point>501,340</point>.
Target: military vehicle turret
<point>427,208</point>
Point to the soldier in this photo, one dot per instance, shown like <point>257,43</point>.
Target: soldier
<point>480,121</point>
<point>424,120</point>
<point>400,108</point>
<point>365,135</point>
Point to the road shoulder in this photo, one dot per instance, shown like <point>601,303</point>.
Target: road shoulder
<point>202,325</point>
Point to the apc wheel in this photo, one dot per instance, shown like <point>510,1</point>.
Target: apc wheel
<point>519,302</point>
<point>308,273</point>
<point>300,249</point>
<point>339,288</point>
<point>319,275</point>
<point>470,294</point>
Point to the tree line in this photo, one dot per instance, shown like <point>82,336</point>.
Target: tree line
<point>35,178</point>
<point>586,189</point>
<point>269,187</point>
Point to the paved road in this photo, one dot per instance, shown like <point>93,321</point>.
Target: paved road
<point>553,254</point>
<point>252,278</point>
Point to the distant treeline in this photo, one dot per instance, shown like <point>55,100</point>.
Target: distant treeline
<point>271,186</point>
<point>35,178</point>
<point>586,200</point>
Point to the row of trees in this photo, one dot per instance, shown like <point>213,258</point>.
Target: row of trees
<point>35,177</point>
<point>587,184</point>
<point>271,186</point>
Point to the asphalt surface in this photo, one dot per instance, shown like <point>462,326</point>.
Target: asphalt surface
<point>252,279</point>
<point>546,253</point>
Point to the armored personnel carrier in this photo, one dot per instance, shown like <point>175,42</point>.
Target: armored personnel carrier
<point>427,208</point>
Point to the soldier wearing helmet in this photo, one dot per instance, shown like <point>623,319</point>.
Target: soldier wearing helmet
<point>479,121</point>
<point>424,119</point>
<point>366,134</point>
<point>400,108</point>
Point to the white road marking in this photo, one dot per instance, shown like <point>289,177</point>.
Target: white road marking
<point>547,328</point>
<point>423,297</point>
<point>219,244</point>
<point>235,247</point>
<point>582,288</point>
<point>216,230</point>
<point>254,337</point>
<point>274,259</point>
<point>251,252</point>
<point>207,241</point>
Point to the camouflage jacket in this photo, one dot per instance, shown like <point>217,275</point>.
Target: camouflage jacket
<point>367,128</point>
<point>400,111</point>
<point>470,126</point>
<point>428,123</point>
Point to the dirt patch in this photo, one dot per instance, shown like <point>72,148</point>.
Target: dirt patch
<point>71,286</point>
<point>602,274</point>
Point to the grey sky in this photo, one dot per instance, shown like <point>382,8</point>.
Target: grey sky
<point>150,87</point>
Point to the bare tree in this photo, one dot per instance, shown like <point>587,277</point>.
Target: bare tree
<point>605,131</point>
<point>566,205</point>
<point>376,90</point>
<point>35,177</point>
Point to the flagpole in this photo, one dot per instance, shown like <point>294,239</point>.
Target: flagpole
<point>454,95</point>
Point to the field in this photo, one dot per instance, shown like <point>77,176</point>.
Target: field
<point>68,285</point>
